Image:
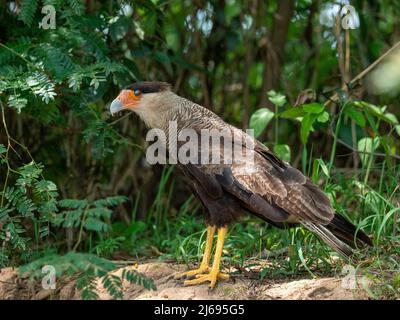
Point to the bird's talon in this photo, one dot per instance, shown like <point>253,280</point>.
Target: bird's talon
<point>200,275</point>
<point>191,273</point>
<point>221,276</point>
<point>212,277</point>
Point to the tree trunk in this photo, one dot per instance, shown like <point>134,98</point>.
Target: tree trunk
<point>275,47</point>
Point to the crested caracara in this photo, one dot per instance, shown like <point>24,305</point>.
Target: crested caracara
<point>266,187</point>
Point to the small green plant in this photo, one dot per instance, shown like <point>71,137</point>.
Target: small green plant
<point>307,114</point>
<point>88,269</point>
<point>30,198</point>
<point>87,216</point>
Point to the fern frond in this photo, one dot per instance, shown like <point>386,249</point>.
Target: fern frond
<point>138,278</point>
<point>28,10</point>
<point>41,86</point>
<point>93,224</point>
<point>110,201</point>
<point>17,102</point>
<point>55,60</point>
<point>113,285</point>
<point>77,6</point>
<point>87,285</point>
<point>72,203</point>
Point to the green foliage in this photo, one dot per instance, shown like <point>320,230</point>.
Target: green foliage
<point>282,151</point>
<point>88,268</point>
<point>355,115</point>
<point>276,98</point>
<point>307,114</point>
<point>86,215</point>
<point>28,9</point>
<point>259,120</point>
<point>31,197</point>
<point>32,200</point>
<point>44,70</point>
<point>366,146</point>
<point>86,284</point>
<point>108,246</point>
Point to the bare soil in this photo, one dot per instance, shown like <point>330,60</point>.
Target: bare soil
<point>240,286</point>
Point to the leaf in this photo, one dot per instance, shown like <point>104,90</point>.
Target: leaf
<point>87,285</point>
<point>113,285</point>
<point>94,224</point>
<point>72,203</point>
<point>323,117</point>
<point>391,118</point>
<point>46,186</point>
<point>14,101</point>
<point>99,212</point>
<point>282,151</point>
<point>259,120</point>
<point>323,167</point>
<point>137,226</point>
<point>306,126</point>
<point>378,112</point>
<point>358,117</point>
<point>110,201</point>
<point>162,57</point>
<point>28,9</point>
<point>119,28</point>
<point>313,107</point>
<point>77,6</point>
<point>136,277</point>
<point>41,86</point>
<point>293,113</point>
<point>264,272</point>
<point>397,128</point>
<point>372,122</point>
<point>276,98</point>
<point>368,145</point>
<point>3,149</point>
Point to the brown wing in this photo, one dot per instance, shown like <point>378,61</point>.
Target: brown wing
<point>283,186</point>
<point>266,186</point>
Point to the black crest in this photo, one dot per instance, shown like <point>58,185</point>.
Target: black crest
<point>149,86</point>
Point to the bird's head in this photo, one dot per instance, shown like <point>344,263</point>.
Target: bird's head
<point>147,99</point>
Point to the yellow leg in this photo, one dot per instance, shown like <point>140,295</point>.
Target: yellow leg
<point>204,265</point>
<point>214,273</point>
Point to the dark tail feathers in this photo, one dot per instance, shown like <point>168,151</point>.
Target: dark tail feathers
<point>347,232</point>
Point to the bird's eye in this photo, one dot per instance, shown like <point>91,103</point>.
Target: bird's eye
<point>137,92</point>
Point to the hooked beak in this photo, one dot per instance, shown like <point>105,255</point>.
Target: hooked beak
<point>116,106</point>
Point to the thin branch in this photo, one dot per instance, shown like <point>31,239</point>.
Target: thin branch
<point>120,119</point>
<point>6,155</point>
<point>362,74</point>
<point>377,154</point>
<point>19,56</point>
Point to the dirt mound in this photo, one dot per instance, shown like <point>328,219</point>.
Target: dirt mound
<point>238,287</point>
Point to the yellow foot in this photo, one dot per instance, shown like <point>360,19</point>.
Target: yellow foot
<point>212,277</point>
<point>191,273</point>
